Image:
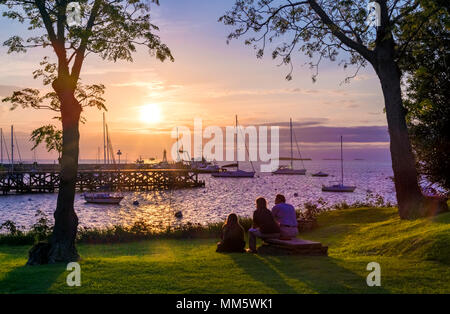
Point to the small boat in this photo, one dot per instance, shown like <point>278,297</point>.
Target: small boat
<point>231,165</point>
<point>224,173</point>
<point>340,187</point>
<point>208,169</point>
<point>238,173</point>
<point>289,170</point>
<point>320,174</point>
<point>102,198</point>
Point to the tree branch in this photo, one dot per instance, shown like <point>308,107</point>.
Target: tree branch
<point>47,21</point>
<point>57,43</point>
<point>79,57</point>
<point>404,46</point>
<point>336,31</point>
<point>405,13</point>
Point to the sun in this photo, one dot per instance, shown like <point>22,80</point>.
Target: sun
<point>150,113</point>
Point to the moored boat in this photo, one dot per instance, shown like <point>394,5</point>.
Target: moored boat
<point>320,174</point>
<point>208,169</point>
<point>340,187</point>
<point>223,173</point>
<point>238,173</point>
<point>289,170</point>
<point>102,198</point>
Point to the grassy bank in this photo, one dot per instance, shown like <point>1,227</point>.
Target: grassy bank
<point>414,258</point>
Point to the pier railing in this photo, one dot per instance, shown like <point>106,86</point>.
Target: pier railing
<point>91,180</point>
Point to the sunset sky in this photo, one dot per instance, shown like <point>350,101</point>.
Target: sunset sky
<point>210,80</point>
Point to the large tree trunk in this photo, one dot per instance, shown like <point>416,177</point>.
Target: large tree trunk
<point>409,196</point>
<point>61,247</point>
<point>62,242</point>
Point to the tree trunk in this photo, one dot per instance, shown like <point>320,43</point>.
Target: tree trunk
<point>62,242</point>
<point>61,247</point>
<point>409,196</point>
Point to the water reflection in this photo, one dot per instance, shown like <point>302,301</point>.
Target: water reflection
<point>212,203</point>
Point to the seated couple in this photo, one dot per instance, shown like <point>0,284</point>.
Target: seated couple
<point>280,223</point>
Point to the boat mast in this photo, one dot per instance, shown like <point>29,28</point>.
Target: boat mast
<point>107,145</point>
<point>1,144</point>
<point>12,147</point>
<point>292,150</point>
<point>18,147</point>
<point>104,139</point>
<point>237,134</point>
<point>342,164</point>
<point>178,150</point>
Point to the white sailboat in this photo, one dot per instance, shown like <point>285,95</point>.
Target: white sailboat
<point>102,198</point>
<point>340,187</point>
<point>105,197</point>
<point>238,173</point>
<point>289,170</point>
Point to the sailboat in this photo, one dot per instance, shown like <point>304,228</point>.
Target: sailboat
<point>102,198</point>
<point>340,187</point>
<point>290,169</point>
<point>209,168</point>
<point>238,173</point>
<point>105,197</point>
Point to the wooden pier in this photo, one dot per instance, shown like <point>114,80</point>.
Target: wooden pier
<point>40,181</point>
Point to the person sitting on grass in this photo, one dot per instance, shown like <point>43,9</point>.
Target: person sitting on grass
<point>264,225</point>
<point>286,217</point>
<point>232,236</point>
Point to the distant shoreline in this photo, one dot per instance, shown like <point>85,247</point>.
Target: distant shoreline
<point>289,158</point>
<point>357,159</point>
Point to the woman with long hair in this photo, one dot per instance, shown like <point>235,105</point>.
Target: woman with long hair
<point>232,236</point>
<point>264,224</point>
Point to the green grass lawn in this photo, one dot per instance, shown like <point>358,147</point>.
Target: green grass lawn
<point>414,258</point>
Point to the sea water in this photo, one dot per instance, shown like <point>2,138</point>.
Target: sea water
<point>217,199</point>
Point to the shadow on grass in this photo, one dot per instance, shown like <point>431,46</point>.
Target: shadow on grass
<point>258,269</point>
<point>294,274</point>
<point>31,279</point>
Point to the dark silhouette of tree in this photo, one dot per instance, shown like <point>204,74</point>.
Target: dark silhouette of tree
<point>331,29</point>
<point>50,135</point>
<point>87,96</point>
<point>427,65</point>
<point>111,29</point>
